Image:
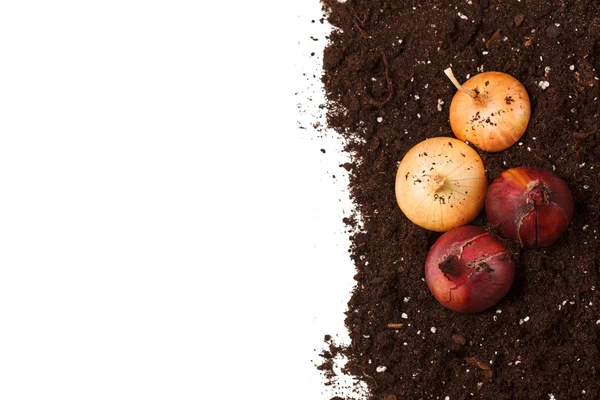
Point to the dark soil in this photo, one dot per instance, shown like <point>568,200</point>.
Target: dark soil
<point>386,60</point>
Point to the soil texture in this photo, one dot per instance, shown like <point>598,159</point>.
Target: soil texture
<point>386,92</point>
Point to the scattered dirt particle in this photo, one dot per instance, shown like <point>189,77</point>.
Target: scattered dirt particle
<point>458,339</point>
<point>519,20</point>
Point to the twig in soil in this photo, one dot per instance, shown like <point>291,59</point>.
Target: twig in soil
<point>355,20</point>
<point>494,37</point>
<point>359,23</point>
<point>487,371</point>
<point>388,81</point>
<point>360,30</point>
<point>584,135</point>
<point>395,326</point>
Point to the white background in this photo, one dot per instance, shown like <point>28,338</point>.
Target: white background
<point>166,230</point>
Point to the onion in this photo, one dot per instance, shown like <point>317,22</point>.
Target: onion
<point>468,270</point>
<point>530,205</point>
<point>490,110</point>
<point>441,184</point>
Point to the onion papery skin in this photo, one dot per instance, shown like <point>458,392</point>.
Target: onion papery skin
<point>441,184</point>
<point>469,270</point>
<point>497,117</point>
<point>530,205</point>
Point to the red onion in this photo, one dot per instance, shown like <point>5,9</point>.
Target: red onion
<point>468,270</point>
<point>529,205</point>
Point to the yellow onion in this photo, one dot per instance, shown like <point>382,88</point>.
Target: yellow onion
<point>490,110</point>
<point>441,184</point>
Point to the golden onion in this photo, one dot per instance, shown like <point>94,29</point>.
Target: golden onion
<point>441,184</point>
<point>490,110</point>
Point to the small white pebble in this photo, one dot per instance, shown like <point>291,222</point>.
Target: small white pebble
<point>405,344</point>
<point>404,315</point>
<point>417,97</point>
<point>520,143</point>
<point>571,302</point>
<point>586,187</point>
<point>485,53</point>
<point>581,165</point>
<point>528,148</point>
<point>547,70</point>
<point>379,119</point>
<point>544,85</point>
<point>534,138</point>
<point>498,311</point>
<point>583,392</point>
<point>447,398</point>
<point>520,322</point>
<point>462,16</point>
<point>526,319</point>
<point>433,329</point>
<point>585,227</point>
<point>440,103</point>
<point>495,318</point>
<point>572,68</point>
<point>418,332</point>
<point>553,167</point>
<point>406,299</point>
<point>517,362</point>
<point>564,302</point>
<point>598,322</point>
<point>381,368</point>
<point>419,115</point>
<point>551,396</point>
